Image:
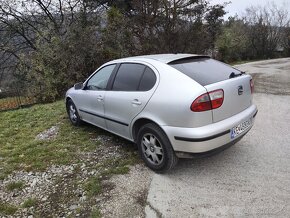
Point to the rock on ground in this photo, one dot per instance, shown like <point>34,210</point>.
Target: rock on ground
<point>50,133</point>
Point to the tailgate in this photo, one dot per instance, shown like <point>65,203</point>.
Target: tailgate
<point>237,96</point>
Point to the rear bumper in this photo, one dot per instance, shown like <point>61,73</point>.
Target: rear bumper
<point>210,137</point>
<point>212,152</point>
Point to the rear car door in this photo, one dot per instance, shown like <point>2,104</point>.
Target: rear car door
<point>132,88</point>
<point>91,97</point>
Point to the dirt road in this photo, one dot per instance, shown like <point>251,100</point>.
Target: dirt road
<point>271,77</point>
<point>252,178</point>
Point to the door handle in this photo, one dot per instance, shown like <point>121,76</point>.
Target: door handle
<point>100,98</point>
<point>136,102</point>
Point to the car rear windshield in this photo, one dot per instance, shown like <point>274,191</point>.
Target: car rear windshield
<point>204,70</point>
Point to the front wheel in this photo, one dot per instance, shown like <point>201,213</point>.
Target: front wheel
<point>73,113</point>
<point>155,148</point>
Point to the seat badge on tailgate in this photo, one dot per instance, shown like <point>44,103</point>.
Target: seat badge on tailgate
<point>240,90</point>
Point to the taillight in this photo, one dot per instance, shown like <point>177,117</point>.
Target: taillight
<point>202,103</point>
<point>217,98</point>
<point>208,101</point>
<point>252,86</point>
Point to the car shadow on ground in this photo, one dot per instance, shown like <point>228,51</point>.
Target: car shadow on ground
<point>107,136</point>
<point>219,161</point>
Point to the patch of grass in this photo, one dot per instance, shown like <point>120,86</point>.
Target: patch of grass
<point>15,186</point>
<point>93,187</point>
<point>95,214</point>
<point>21,151</point>
<point>119,170</point>
<point>117,165</point>
<point>30,202</point>
<point>7,209</point>
<point>2,176</point>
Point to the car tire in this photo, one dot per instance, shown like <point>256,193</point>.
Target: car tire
<point>155,148</point>
<point>73,113</point>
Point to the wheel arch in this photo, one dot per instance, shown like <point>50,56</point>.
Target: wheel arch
<point>139,123</point>
<point>67,98</point>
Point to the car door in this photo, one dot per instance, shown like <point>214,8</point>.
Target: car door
<point>132,88</point>
<point>91,97</point>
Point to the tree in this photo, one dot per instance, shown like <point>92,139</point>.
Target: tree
<point>171,25</point>
<point>266,26</point>
<point>52,43</point>
<point>233,42</point>
<point>214,23</point>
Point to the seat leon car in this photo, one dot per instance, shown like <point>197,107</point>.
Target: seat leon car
<point>171,105</point>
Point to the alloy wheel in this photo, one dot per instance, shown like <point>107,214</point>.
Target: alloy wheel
<point>72,113</point>
<point>152,149</point>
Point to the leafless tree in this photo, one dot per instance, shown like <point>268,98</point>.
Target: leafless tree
<point>267,27</point>
<point>26,25</point>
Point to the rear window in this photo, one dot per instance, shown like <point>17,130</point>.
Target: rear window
<point>205,70</point>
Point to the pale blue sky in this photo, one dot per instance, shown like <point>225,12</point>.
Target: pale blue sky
<point>239,6</point>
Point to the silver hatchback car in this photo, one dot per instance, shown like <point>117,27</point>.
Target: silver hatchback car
<point>170,105</point>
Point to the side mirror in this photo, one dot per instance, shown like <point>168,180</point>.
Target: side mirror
<point>78,86</point>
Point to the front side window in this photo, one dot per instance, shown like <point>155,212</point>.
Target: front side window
<point>128,77</point>
<point>100,80</point>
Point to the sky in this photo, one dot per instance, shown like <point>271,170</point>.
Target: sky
<point>239,6</point>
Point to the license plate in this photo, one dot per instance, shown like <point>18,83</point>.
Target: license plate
<point>239,129</point>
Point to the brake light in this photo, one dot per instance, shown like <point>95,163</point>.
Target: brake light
<point>217,98</point>
<point>208,101</point>
<point>202,103</point>
<point>252,86</point>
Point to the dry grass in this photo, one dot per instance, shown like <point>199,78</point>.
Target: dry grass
<point>15,102</point>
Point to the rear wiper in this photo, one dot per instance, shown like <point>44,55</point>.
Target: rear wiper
<point>233,75</point>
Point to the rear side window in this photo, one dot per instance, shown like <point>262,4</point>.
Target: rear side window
<point>205,70</point>
<point>128,77</point>
<point>148,80</point>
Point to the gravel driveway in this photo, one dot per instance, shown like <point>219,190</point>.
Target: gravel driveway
<point>251,178</point>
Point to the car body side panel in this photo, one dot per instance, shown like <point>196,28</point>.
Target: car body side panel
<point>123,106</point>
<point>172,100</point>
<point>119,106</point>
<point>89,107</point>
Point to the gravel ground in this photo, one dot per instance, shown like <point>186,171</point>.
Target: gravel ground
<point>59,191</point>
<point>37,185</point>
<point>129,196</point>
<point>270,77</point>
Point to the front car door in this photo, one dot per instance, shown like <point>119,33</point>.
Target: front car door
<point>131,89</point>
<point>91,97</point>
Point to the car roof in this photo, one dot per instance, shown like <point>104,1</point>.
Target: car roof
<point>164,58</point>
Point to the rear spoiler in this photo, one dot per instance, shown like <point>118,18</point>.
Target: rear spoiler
<point>187,59</point>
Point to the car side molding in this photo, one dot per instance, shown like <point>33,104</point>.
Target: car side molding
<point>106,118</point>
<point>202,139</point>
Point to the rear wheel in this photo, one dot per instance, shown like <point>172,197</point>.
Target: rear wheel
<point>73,113</point>
<point>155,148</point>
